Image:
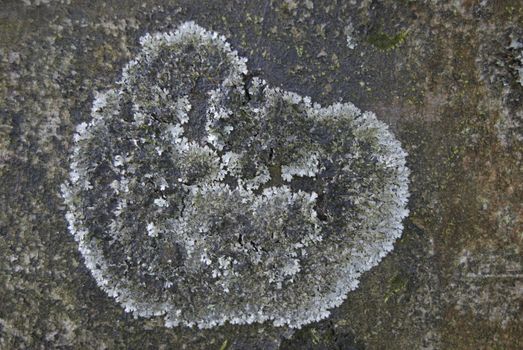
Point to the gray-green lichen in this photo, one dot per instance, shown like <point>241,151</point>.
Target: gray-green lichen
<point>199,193</point>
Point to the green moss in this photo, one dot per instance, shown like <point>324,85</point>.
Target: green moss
<point>386,42</point>
<point>225,345</point>
<point>315,336</point>
<point>299,51</point>
<point>397,284</point>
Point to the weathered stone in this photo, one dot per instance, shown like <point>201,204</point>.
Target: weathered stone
<point>443,75</point>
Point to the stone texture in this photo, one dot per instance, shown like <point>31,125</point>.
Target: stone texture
<point>443,75</point>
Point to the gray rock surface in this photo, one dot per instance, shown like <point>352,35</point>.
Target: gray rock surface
<point>445,76</point>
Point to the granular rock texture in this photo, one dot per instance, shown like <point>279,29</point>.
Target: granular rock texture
<point>199,193</point>
<point>443,75</point>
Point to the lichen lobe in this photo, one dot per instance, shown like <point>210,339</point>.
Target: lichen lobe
<point>202,195</point>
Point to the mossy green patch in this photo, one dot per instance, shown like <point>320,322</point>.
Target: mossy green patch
<point>397,284</point>
<point>225,345</point>
<point>386,42</point>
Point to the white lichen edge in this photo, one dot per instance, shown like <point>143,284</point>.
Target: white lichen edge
<point>387,218</point>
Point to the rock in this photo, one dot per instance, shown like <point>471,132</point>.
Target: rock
<point>443,76</point>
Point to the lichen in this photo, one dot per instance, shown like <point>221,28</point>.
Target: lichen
<point>201,194</point>
<point>517,47</point>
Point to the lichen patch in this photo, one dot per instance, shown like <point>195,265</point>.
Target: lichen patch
<point>203,195</point>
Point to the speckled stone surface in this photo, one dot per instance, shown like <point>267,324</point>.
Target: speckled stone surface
<point>445,76</point>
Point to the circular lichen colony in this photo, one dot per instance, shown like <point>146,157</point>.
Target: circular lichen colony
<point>199,193</point>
